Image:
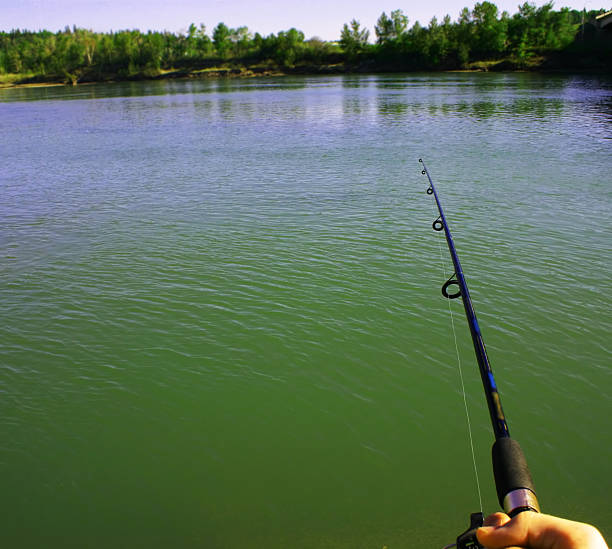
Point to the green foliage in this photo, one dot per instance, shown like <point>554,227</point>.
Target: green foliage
<point>536,30</point>
<point>289,47</point>
<point>391,28</point>
<point>489,34</point>
<point>354,39</point>
<point>221,40</point>
<point>319,52</point>
<point>479,35</point>
<point>199,43</point>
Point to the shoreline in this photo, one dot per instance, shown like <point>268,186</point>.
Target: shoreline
<point>222,72</point>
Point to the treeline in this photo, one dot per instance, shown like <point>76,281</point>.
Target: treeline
<point>76,53</point>
<point>479,34</point>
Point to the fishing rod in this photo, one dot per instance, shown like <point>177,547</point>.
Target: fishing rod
<point>513,482</point>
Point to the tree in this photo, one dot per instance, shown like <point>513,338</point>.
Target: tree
<point>563,30</point>
<point>438,43</point>
<point>241,39</point>
<point>320,52</point>
<point>416,47</point>
<point>126,50</point>
<point>191,41</point>
<point>465,17</point>
<point>536,30</point>
<point>104,53</point>
<point>289,46</point>
<point>203,43</point>
<point>89,43</point>
<point>390,28</point>
<point>151,49</point>
<point>221,39</point>
<point>353,39</point>
<point>489,32</point>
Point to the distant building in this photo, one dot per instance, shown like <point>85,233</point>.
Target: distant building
<point>604,21</point>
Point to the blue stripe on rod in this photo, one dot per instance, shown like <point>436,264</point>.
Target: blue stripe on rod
<point>492,381</point>
<point>476,325</point>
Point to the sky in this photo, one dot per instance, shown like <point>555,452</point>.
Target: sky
<point>320,18</point>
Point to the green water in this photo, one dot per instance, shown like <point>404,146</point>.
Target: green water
<point>221,320</point>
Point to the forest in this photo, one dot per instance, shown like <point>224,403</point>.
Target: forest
<point>481,38</point>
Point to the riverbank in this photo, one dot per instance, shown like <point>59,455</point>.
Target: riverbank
<point>272,69</point>
<point>232,71</point>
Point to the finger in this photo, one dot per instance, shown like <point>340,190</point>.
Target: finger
<point>510,533</point>
<point>496,519</point>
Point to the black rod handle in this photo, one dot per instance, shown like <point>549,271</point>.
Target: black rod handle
<point>515,489</point>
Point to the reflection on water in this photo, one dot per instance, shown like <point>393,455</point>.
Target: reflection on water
<point>480,96</point>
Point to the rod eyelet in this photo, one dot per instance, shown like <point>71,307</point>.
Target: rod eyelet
<point>451,282</point>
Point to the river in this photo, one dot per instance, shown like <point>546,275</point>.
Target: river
<point>221,321</point>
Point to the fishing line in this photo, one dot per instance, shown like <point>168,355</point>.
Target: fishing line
<point>467,413</point>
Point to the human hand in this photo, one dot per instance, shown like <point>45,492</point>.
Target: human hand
<point>537,531</point>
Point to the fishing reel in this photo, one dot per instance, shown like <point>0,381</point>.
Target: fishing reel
<point>468,539</point>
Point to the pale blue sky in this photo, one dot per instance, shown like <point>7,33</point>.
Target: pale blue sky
<point>322,18</point>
